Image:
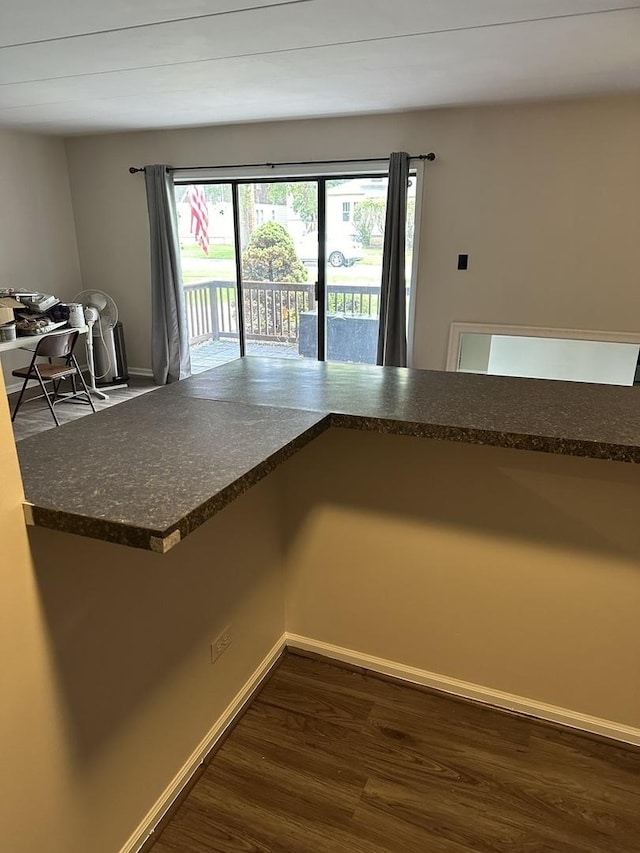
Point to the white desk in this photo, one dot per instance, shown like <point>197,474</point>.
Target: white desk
<point>31,341</point>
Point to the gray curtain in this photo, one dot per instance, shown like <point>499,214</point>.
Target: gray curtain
<point>170,358</point>
<point>392,334</point>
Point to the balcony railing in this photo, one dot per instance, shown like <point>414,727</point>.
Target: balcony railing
<point>271,309</point>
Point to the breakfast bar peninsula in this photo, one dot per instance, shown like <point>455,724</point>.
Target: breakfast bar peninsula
<point>147,473</point>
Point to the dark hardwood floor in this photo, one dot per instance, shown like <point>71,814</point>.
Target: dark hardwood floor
<point>327,760</point>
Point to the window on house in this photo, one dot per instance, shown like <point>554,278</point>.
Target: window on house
<point>273,268</point>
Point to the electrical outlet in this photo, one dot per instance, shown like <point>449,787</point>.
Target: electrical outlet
<point>221,644</point>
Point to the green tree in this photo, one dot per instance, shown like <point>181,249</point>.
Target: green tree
<point>247,204</point>
<point>303,195</point>
<point>217,193</point>
<point>369,217</point>
<point>271,256</point>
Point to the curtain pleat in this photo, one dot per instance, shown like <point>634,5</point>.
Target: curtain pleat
<point>170,358</point>
<point>392,334</point>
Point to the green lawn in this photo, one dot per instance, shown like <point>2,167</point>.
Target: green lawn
<point>226,252</point>
<point>208,273</point>
<point>374,256</point>
<point>201,267</point>
<point>217,251</point>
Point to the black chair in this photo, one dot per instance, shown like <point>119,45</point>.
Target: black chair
<point>60,346</point>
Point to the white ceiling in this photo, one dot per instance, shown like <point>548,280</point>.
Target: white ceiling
<point>79,66</point>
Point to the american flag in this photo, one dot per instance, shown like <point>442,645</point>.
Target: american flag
<point>199,216</point>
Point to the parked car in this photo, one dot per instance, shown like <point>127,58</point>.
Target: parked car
<point>343,250</point>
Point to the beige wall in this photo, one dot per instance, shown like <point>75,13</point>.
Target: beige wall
<point>106,681</point>
<point>37,234</point>
<point>516,571</point>
<point>542,196</point>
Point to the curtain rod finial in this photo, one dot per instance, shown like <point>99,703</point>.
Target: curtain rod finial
<point>133,170</point>
<point>431,156</point>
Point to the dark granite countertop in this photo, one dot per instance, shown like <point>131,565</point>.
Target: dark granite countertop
<point>151,470</point>
<point>147,472</point>
<point>573,418</point>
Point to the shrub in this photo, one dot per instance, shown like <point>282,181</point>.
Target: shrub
<point>271,256</point>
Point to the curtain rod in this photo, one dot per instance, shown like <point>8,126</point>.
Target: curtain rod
<point>430,156</point>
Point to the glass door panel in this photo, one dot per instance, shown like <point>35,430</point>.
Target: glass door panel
<point>355,212</point>
<point>279,258</point>
<point>355,221</point>
<point>207,255</point>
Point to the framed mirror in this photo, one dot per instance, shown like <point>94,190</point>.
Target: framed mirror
<point>575,355</point>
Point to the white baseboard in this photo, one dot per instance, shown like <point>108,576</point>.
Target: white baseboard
<point>226,719</point>
<point>14,386</point>
<point>141,371</point>
<point>486,695</point>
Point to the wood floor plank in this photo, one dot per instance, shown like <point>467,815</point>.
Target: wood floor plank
<point>34,415</point>
<point>321,701</point>
<point>328,760</point>
<point>279,819</point>
<point>277,776</point>
<point>436,709</point>
<point>526,791</point>
<point>329,754</point>
<point>210,834</point>
<point>396,836</point>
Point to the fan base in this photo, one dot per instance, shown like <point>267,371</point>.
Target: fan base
<point>111,386</point>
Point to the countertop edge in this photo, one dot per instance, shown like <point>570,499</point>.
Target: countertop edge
<point>118,532</point>
<point>493,438</point>
<point>161,541</point>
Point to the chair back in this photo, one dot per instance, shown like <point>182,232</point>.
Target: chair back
<point>57,344</point>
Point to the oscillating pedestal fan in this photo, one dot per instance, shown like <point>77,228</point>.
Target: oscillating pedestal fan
<point>101,316</point>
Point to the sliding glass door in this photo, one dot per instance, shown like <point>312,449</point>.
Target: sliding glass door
<point>279,254</point>
<point>287,268</point>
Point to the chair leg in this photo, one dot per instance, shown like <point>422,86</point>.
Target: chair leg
<point>84,384</point>
<point>22,390</point>
<point>46,395</point>
<point>29,375</point>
